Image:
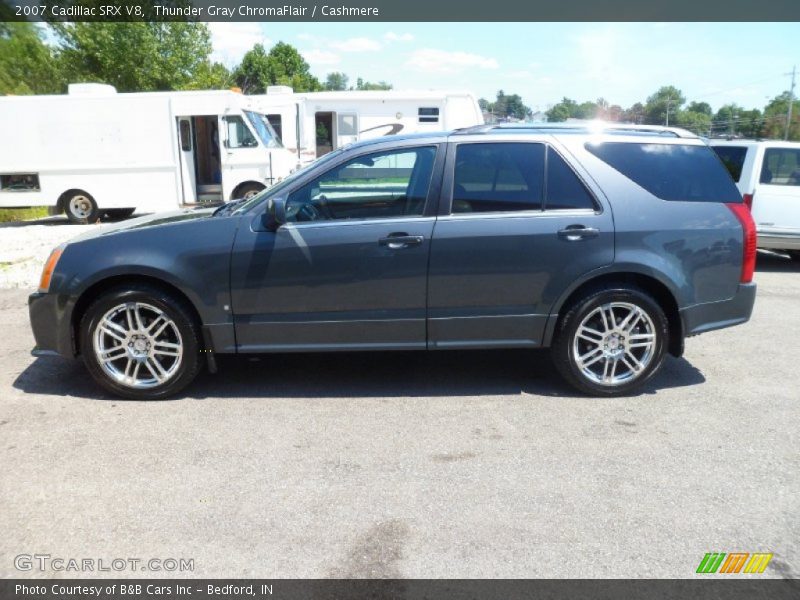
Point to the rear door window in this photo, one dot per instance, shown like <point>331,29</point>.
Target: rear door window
<point>679,172</point>
<point>498,177</point>
<point>781,166</point>
<point>733,159</point>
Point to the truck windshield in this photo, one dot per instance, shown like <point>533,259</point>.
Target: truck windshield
<point>264,130</point>
<point>282,185</point>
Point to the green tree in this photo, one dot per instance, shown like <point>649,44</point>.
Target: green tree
<point>662,105</point>
<point>253,74</point>
<point>695,121</point>
<point>282,65</point>
<point>634,114</point>
<point>775,118</point>
<point>27,64</point>
<point>210,76</point>
<point>368,85</point>
<point>700,107</point>
<point>140,56</point>
<point>336,81</point>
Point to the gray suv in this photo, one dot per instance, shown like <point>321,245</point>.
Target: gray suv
<point>608,246</point>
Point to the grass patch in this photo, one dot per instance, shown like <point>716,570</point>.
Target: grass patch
<point>22,214</point>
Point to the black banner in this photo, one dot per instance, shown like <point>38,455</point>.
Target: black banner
<point>399,10</point>
<point>711,587</point>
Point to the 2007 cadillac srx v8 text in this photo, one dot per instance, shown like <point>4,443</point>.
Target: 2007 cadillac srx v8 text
<point>609,246</point>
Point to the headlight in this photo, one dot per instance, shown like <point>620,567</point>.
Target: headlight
<point>49,267</point>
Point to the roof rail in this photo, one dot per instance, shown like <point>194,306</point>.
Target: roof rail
<point>585,127</point>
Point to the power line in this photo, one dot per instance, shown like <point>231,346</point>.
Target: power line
<point>791,102</point>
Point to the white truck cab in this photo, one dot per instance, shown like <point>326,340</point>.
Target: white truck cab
<point>768,175</point>
<point>94,151</point>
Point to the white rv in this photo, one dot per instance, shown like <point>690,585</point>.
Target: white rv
<point>95,151</point>
<point>314,123</point>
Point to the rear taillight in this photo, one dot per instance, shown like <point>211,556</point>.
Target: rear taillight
<point>742,212</point>
<point>748,200</point>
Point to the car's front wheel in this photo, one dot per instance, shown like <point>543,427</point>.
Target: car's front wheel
<point>140,342</point>
<point>611,342</point>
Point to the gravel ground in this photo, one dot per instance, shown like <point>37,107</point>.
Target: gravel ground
<point>451,464</point>
<point>25,246</point>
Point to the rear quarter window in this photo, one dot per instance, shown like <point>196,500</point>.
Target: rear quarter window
<point>781,166</point>
<point>678,172</point>
<point>733,159</point>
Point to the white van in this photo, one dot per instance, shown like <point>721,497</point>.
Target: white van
<point>95,151</point>
<point>314,123</point>
<point>768,175</point>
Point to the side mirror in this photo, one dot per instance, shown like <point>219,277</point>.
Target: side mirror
<point>275,215</point>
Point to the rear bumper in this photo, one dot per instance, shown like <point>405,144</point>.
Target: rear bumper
<point>717,315</point>
<point>778,240</point>
<point>50,323</point>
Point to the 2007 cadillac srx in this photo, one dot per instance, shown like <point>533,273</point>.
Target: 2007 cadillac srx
<point>609,246</point>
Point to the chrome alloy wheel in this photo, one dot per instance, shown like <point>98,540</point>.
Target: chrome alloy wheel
<point>138,345</point>
<point>80,206</point>
<point>614,343</point>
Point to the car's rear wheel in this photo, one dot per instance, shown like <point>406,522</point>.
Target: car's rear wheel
<point>610,342</point>
<point>140,342</point>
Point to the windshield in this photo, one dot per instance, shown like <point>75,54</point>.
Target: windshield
<point>264,130</point>
<point>281,185</point>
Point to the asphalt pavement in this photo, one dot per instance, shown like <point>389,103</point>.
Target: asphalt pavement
<point>449,464</point>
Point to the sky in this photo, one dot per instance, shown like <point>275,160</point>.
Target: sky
<point>718,63</point>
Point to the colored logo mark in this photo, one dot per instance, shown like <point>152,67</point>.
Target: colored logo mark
<point>734,562</point>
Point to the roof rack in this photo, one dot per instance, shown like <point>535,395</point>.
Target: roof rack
<point>586,127</point>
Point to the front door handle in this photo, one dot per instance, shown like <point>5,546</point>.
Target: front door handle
<point>575,233</point>
<point>396,241</point>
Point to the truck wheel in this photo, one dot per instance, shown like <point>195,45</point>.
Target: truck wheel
<point>119,213</point>
<point>141,343</point>
<point>81,208</point>
<point>611,342</point>
<point>247,191</point>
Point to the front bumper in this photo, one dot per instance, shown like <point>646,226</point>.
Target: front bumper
<point>50,322</point>
<point>717,315</point>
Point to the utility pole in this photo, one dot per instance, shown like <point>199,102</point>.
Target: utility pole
<point>791,101</point>
<point>666,123</point>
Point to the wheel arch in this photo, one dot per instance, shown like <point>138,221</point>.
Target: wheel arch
<point>103,285</point>
<point>650,283</point>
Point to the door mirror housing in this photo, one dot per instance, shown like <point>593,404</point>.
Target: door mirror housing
<point>275,215</point>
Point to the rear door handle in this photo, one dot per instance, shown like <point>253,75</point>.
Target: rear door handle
<point>396,241</point>
<point>575,233</point>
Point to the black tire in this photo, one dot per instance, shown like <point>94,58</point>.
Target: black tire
<point>119,213</point>
<point>174,309</point>
<point>563,347</point>
<point>794,254</point>
<point>247,190</point>
<point>80,207</point>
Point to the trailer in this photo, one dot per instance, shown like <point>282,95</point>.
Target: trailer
<point>94,151</point>
<point>315,123</point>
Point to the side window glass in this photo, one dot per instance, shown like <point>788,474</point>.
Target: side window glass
<point>186,135</point>
<point>564,189</point>
<point>239,136</point>
<point>781,167</point>
<point>374,186</point>
<point>276,121</point>
<point>498,177</point>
